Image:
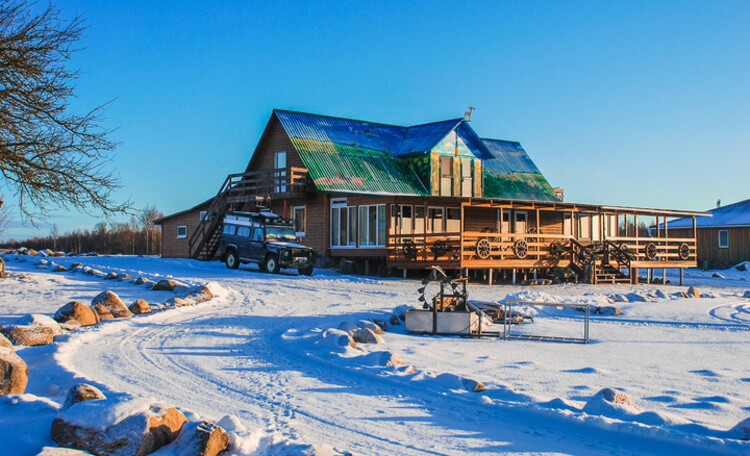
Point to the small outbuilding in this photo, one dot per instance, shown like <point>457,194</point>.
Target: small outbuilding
<point>723,237</point>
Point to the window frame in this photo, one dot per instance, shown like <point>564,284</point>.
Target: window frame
<point>726,245</point>
<point>184,235</point>
<point>304,220</point>
<point>381,217</point>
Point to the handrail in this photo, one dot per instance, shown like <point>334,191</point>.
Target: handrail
<point>624,253</point>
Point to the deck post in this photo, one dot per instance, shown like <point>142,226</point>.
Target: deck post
<point>664,276</point>
<point>404,273</point>
<point>682,270</point>
<point>535,273</point>
<point>367,267</point>
<point>466,272</point>
<point>514,276</point>
<point>489,277</point>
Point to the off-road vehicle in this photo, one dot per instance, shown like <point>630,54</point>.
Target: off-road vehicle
<point>263,238</point>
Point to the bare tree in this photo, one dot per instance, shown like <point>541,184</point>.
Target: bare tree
<point>49,156</point>
<point>147,218</point>
<point>54,232</point>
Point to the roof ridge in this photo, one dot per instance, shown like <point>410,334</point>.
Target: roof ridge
<point>503,140</point>
<point>457,120</point>
<point>730,205</point>
<point>337,117</point>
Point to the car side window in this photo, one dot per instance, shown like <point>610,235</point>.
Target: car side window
<point>229,229</point>
<point>243,231</point>
<point>258,234</point>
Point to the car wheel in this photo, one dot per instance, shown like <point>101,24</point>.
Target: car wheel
<point>306,270</point>
<point>272,264</point>
<point>232,260</point>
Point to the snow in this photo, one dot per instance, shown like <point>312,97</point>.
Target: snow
<point>255,360</point>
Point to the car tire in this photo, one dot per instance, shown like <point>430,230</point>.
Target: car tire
<point>232,260</point>
<point>306,270</point>
<point>272,264</point>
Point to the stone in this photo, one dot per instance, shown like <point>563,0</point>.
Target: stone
<point>111,276</point>
<point>368,324</point>
<point>394,320</point>
<point>177,302</point>
<point>112,303</point>
<point>473,386</point>
<point>348,326</point>
<point>716,275</point>
<point>122,427</point>
<point>59,268</point>
<point>200,294</point>
<point>140,280</point>
<point>382,323</point>
<point>75,266</point>
<point>123,277</point>
<point>385,359</point>
<point>80,393</point>
<point>693,292</point>
<point>366,336</point>
<point>5,343</point>
<point>74,310</point>
<point>168,285</point>
<point>14,373</point>
<point>70,325</point>
<point>337,338</point>
<point>29,335</point>
<point>660,294</point>
<point>609,310</point>
<point>31,252</point>
<point>40,320</point>
<point>608,401</point>
<point>140,307</point>
<point>202,439</point>
<point>57,451</point>
<point>747,295</point>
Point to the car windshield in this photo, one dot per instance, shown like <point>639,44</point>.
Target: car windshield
<point>281,233</point>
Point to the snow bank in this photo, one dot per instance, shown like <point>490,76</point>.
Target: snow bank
<point>25,422</point>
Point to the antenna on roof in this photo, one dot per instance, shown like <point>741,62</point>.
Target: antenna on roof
<point>718,203</point>
<point>467,114</point>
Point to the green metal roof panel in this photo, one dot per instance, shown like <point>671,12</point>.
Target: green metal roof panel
<point>510,174</point>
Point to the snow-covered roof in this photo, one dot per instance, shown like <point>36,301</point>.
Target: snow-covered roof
<point>733,215</point>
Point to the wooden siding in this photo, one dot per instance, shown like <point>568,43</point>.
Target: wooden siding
<point>171,246</point>
<point>276,140</point>
<point>708,244</point>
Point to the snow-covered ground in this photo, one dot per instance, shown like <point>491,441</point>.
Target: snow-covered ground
<point>254,353</point>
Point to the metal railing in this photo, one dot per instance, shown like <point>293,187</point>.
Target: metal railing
<point>507,315</point>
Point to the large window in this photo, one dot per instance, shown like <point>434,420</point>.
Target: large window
<point>723,239</point>
<point>343,226</point>
<point>372,226</point>
<point>279,166</point>
<point>300,220</point>
<point>435,220</point>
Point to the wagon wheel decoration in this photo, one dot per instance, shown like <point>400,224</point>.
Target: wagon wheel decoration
<point>556,249</point>
<point>650,250</point>
<point>409,249</point>
<point>483,248</point>
<point>521,248</point>
<point>439,248</point>
<point>684,251</point>
<point>428,294</point>
<point>622,255</point>
<point>489,229</point>
<point>531,230</point>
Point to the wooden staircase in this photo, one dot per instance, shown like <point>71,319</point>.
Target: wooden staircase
<point>594,263</point>
<point>244,191</point>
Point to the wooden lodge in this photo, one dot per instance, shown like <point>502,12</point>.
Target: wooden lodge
<point>385,198</point>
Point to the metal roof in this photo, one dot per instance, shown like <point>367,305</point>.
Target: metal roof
<point>510,173</point>
<point>732,215</point>
<point>508,157</point>
<point>421,138</point>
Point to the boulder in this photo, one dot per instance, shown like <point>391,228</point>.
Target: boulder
<point>141,280</point>
<point>41,320</point>
<point>716,275</point>
<point>29,335</point>
<point>110,276</point>
<point>385,359</point>
<point>31,252</point>
<point>117,427</point>
<point>168,285</point>
<point>473,386</point>
<point>140,307</point>
<point>366,336</point>
<point>14,374</point>
<point>202,439</point>
<point>59,268</point>
<point>457,382</point>
<point>693,292</point>
<point>57,451</point>
<point>200,294</point>
<point>368,324</point>
<point>337,338</point>
<point>74,310</point>
<point>112,303</point>
<point>80,393</point>
<point>348,326</point>
<point>382,323</point>
<point>747,295</point>
<point>5,343</point>
<point>660,294</point>
<point>177,302</point>
<point>394,320</point>
<point>75,267</point>
<point>610,402</point>
<point>609,310</point>
<point>70,325</point>
<point>123,277</point>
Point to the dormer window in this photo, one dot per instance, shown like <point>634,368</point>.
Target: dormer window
<point>446,176</point>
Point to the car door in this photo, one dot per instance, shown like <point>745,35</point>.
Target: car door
<point>256,246</point>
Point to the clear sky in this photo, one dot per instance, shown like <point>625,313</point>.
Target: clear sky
<point>624,103</point>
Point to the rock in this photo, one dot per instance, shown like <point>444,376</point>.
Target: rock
<point>112,303</point>
<point>609,402</point>
<point>59,268</point>
<point>747,295</point>
<point>368,324</point>
<point>366,336</point>
<point>660,294</point>
<point>57,451</point>
<point>75,267</point>
<point>693,292</point>
<point>635,297</point>
<point>382,323</point>
<point>41,320</point>
<point>394,320</point>
<point>80,393</point>
<point>619,298</point>
<point>74,310</point>
<point>741,430</point>
<point>200,294</point>
<point>457,382</point>
<point>111,276</point>
<point>29,335</point>
<point>140,307</point>
<point>5,343</point>
<point>609,310</point>
<point>400,311</point>
<point>70,325</point>
<point>140,280</point>
<point>168,285</point>
<point>104,314</point>
<point>14,374</point>
<point>177,302</point>
<point>31,252</point>
<point>350,327</point>
<point>202,439</point>
<point>385,359</point>
<point>716,275</point>
<point>123,277</point>
<point>473,385</point>
<point>88,270</point>
<point>117,427</point>
<point>337,338</point>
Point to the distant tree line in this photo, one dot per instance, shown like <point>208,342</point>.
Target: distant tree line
<point>139,236</point>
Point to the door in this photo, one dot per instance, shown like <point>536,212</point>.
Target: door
<point>521,221</point>
<point>256,251</point>
<point>467,184</point>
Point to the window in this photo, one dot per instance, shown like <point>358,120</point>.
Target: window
<point>343,226</point>
<point>243,231</point>
<point>279,164</point>
<point>453,220</point>
<point>467,184</point>
<point>372,226</point>
<point>181,232</point>
<point>435,220</point>
<point>203,215</point>
<point>300,220</point>
<point>723,239</point>
<point>446,176</point>
<point>230,229</point>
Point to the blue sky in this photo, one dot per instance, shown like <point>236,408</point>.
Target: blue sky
<point>624,103</point>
